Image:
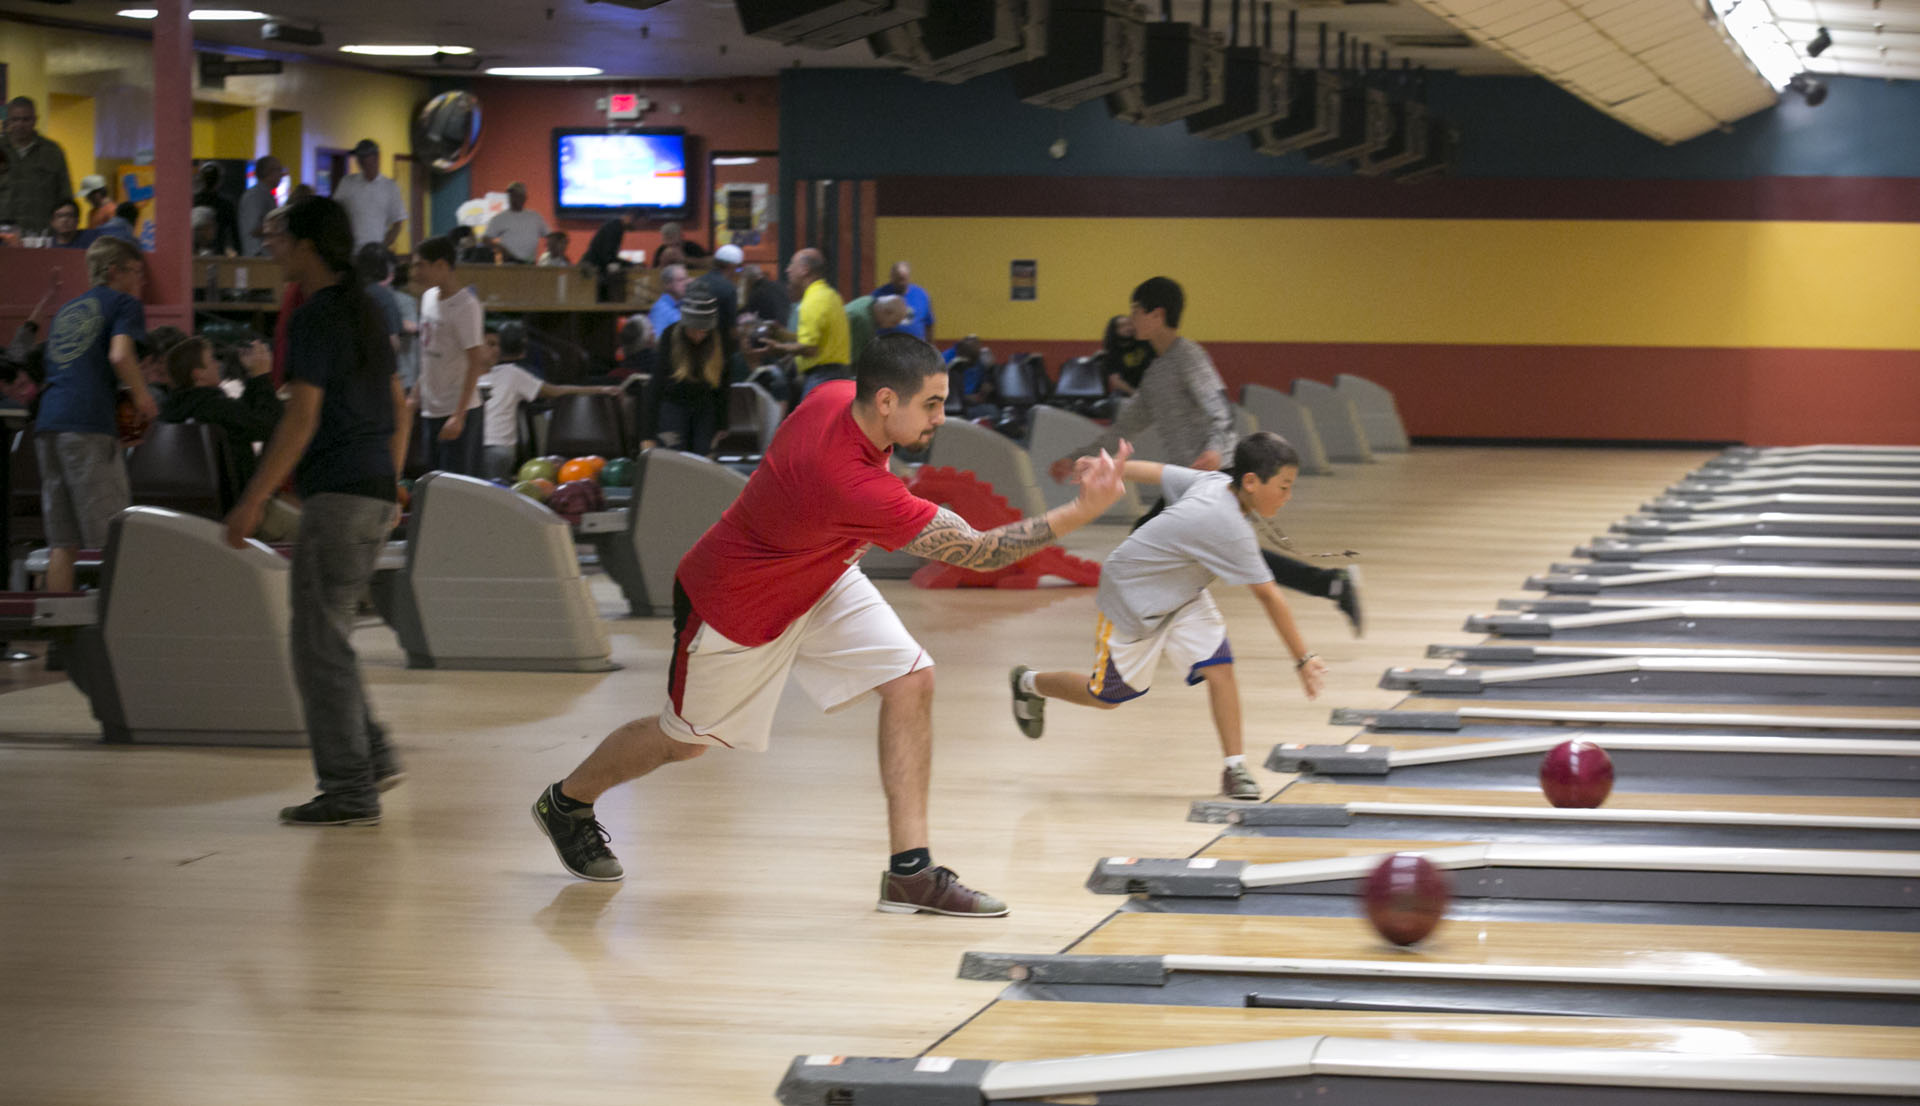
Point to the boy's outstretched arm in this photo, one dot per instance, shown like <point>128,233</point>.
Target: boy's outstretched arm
<point>1312,670</point>
<point>1142,472</point>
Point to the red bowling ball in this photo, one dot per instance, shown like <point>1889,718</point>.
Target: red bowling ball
<point>576,498</point>
<point>1405,898</point>
<point>1576,774</point>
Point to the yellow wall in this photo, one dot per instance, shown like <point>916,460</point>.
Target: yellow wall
<point>1500,282</point>
<point>68,120</point>
<point>337,106</point>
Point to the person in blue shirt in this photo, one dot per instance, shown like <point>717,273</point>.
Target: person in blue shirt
<point>900,283</point>
<point>342,438</point>
<point>91,357</point>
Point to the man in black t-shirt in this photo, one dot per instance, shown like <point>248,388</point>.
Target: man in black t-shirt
<point>342,438</point>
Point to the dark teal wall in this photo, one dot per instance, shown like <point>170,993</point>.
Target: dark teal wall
<point>876,123</point>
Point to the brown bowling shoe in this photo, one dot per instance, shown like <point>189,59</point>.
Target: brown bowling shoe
<point>936,891</point>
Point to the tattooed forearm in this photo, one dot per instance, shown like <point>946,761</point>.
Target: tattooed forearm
<point>948,538</point>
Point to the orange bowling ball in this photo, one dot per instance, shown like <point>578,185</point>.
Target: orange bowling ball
<point>582,468</point>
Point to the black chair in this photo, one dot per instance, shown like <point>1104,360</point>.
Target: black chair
<point>185,467</point>
<point>586,424</point>
<point>1083,383</point>
<point>752,417</point>
<point>1013,384</point>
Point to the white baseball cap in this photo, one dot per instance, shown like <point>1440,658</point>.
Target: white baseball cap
<point>729,254</point>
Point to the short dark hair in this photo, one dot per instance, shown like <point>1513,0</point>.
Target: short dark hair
<point>158,341</point>
<point>897,361</point>
<point>128,210</point>
<point>23,102</point>
<point>438,248</point>
<point>1262,453</point>
<point>513,340</point>
<point>1164,294</point>
<point>74,204</point>
<point>373,263</point>
<point>183,358</point>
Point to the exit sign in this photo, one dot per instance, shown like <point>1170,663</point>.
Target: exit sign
<point>624,105</point>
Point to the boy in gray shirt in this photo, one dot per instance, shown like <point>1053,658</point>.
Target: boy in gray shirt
<point>1183,397</point>
<point>1153,598</point>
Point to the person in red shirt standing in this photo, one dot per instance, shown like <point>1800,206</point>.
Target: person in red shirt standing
<point>774,590</point>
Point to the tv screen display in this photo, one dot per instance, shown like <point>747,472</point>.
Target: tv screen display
<point>600,173</point>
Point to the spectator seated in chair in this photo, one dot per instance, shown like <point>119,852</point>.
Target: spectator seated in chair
<point>1126,355</point>
<point>694,365</point>
<point>974,364</point>
<point>193,367</point>
<point>508,384</point>
<point>554,253</point>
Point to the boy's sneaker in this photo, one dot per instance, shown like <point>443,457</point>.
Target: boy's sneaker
<point>330,810</point>
<point>390,779</point>
<point>1238,783</point>
<point>1346,595</point>
<point>1029,711</point>
<point>936,891</point>
<point>578,838</point>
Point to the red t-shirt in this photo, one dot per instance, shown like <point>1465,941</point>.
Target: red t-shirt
<point>819,497</point>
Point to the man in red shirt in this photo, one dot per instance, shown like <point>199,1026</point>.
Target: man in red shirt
<point>774,590</point>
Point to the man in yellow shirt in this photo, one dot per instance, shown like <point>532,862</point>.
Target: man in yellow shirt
<point>823,350</point>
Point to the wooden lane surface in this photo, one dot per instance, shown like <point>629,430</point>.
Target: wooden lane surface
<point>1743,950</point>
<point>1635,706</point>
<point>1013,1030</point>
<point>1334,794</point>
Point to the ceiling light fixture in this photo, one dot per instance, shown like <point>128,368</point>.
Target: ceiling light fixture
<point>1819,44</point>
<point>403,50</point>
<point>1752,26</point>
<point>198,15</point>
<point>736,161</point>
<point>544,71</point>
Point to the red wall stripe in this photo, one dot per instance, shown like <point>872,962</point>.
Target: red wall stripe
<point>1758,396</point>
<point>1815,199</point>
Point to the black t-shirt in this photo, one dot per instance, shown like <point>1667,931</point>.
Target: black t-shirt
<point>345,353</point>
<point>1129,357</point>
<point>604,249</point>
<point>226,220</point>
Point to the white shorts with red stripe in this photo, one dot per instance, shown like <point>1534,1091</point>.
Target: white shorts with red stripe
<point>722,693</point>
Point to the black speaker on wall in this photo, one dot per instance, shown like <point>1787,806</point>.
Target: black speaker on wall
<point>1094,48</point>
<point>1313,102</point>
<point>958,40</point>
<point>1407,142</point>
<point>1253,93</point>
<point>1185,73</point>
<point>824,24</point>
<point>1363,115</point>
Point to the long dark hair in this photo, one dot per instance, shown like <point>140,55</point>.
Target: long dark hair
<point>324,223</point>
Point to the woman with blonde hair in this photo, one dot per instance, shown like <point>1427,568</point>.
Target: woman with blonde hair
<point>694,364</point>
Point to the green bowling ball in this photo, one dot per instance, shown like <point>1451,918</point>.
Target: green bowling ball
<point>540,468</point>
<point>618,473</point>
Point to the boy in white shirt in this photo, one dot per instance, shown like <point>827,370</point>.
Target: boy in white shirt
<point>1153,597</point>
<point>508,385</point>
<point>453,357</point>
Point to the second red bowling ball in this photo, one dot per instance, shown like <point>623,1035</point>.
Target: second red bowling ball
<point>1576,774</point>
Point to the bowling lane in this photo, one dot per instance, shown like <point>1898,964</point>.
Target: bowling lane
<point>1747,764</point>
<point>1579,969</point>
<point>1020,1030</point>
<point>1479,716</point>
<point>1308,809</point>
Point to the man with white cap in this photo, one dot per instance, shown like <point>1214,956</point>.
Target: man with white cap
<point>719,282</point>
<point>516,230</point>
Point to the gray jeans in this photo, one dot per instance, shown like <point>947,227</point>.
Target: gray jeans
<point>340,539</point>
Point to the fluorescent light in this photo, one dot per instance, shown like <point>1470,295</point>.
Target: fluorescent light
<point>544,71</point>
<point>198,15</point>
<point>736,161</point>
<point>1752,26</point>
<point>404,51</point>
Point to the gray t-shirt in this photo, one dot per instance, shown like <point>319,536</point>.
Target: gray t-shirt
<point>1202,536</point>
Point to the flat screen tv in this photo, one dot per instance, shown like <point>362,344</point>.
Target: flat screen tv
<point>598,172</point>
